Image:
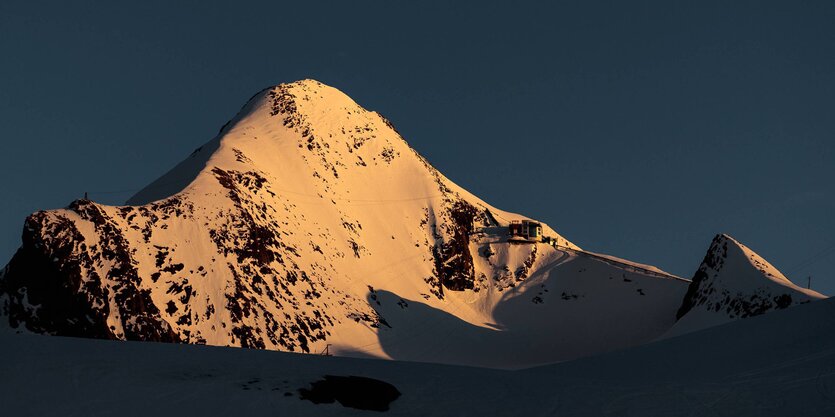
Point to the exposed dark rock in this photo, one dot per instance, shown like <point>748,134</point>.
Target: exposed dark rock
<point>66,302</point>
<point>525,269</point>
<point>453,260</point>
<point>53,287</point>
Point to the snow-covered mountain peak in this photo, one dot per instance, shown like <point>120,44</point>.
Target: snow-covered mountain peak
<point>727,252</point>
<point>300,225</point>
<point>303,125</point>
<point>308,223</point>
<point>735,282</point>
<point>324,117</point>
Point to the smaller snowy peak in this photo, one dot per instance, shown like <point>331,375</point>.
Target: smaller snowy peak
<point>733,282</point>
<point>724,249</point>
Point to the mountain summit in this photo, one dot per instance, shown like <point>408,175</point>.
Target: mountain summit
<point>734,282</point>
<point>308,224</point>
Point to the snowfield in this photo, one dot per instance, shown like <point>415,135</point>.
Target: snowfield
<point>779,364</point>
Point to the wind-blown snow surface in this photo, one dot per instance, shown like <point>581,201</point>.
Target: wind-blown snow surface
<point>779,364</point>
<point>734,282</point>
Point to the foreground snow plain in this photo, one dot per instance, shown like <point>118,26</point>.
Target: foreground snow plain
<point>779,364</point>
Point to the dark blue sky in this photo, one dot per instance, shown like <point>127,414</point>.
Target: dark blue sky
<point>654,125</point>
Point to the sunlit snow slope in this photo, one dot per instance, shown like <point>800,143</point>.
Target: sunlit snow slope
<point>308,224</point>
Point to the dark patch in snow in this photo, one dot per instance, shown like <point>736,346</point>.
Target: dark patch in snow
<point>453,260</point>
<point>352,391</point>
<point>55,288</point>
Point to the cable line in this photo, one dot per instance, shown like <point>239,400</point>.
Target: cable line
<point>811,260</point>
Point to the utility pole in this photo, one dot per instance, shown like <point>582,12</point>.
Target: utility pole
<point>809,282</point>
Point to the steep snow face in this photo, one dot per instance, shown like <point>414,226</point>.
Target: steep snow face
<point>733,282</point>
<point>307,222</point>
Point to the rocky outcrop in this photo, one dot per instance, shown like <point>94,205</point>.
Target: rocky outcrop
<point>453,260</point>
<point>69,297</point>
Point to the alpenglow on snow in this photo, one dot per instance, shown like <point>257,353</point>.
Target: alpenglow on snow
<point>308,223</point>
